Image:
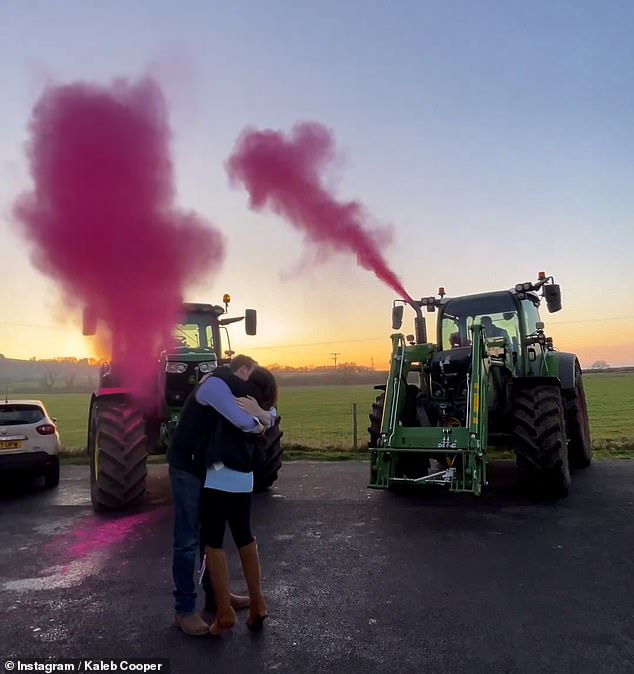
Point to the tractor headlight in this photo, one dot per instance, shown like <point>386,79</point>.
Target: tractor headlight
<point>176,368</point>
<point>207,366</point>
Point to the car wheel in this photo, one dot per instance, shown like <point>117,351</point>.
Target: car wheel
<point>51,476</point>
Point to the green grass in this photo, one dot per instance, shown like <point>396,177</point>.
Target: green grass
<point>71,412</point>
<point>610,399</point>
<point>318,423</point>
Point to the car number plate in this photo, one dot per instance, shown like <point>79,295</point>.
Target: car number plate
<point>10,444</point>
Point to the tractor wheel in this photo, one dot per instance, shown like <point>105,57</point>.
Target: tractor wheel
<point>408,465</point>
<point>117,451</point>
<point>376,416</point>
<point>577,424</point>
<point>540,441</point>
<point>269,461</point>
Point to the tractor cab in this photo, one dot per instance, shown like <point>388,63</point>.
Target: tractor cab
<point>498,314</point>
<point>196,349</point>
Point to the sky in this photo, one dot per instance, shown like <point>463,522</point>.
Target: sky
<point>494,139</point>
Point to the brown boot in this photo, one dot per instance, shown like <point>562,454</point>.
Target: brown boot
<point>219,574</point>
<point>239,602</point>
<point>191,624</point>
<point>251,565</point>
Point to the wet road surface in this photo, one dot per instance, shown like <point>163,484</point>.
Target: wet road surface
<point>356,580</point>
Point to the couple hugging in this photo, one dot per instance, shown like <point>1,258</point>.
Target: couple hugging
<point>211,475</point>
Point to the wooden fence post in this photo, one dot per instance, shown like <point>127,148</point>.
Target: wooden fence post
<point>354,426</point>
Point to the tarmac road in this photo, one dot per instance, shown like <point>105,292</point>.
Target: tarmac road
<point>357,580</point>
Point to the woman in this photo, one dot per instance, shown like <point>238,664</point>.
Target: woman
<point>226,499</point>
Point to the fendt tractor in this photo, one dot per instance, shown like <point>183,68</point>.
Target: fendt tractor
<point>122,432</point>
<point>492,379</point>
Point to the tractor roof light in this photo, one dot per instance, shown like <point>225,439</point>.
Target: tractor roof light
<point>441,291</point>
<point>542,276</point>
<point>226,298</point>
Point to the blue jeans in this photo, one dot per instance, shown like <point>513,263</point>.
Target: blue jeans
<point>186,490</point>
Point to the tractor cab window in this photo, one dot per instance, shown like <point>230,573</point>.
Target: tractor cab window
<point>195,333</point>
<point>505,325</point>
<point>496,313</point>
<point>531,316</point>
<point>187,335</point>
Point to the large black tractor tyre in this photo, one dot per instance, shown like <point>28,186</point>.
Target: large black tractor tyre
<point>376,416</point>
<point>117,452</point>
<point>577,424</point>
<point>269,458</point>
<point>412,465</point>
<point>540,441</point>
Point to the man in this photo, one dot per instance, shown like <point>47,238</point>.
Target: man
<point>187,469</point>
<point>492,330</point>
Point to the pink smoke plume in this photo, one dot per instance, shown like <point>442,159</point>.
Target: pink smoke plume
<point>285,175</point>
<point>102,218</point>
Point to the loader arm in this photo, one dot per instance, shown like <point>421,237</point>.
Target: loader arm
<point>462,448</point>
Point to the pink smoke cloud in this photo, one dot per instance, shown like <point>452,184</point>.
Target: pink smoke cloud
<point>102,220</point>
<point>286,175</point>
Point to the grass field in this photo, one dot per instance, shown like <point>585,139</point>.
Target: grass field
<point>320,417</point>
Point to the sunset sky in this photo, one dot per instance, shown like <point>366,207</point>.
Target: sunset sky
<point>495,139</point>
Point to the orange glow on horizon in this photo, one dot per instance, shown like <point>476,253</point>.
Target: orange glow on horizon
<point>612,341</point>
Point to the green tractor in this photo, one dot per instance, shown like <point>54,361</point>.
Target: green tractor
<point>122,432</point>
<point>493,379</point>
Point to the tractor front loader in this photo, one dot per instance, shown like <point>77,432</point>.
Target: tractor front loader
<point>122,431</point>
<point>492,379</point>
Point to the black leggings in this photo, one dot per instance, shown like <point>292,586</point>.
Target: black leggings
<point>221,507</point>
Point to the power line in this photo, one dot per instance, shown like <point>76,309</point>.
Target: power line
<point>342,341</point>
<point>592,320</point>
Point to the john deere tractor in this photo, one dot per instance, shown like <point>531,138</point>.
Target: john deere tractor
<point>492,379</point>
<point>122,432</point>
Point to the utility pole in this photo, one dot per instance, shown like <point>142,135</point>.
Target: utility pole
<point>372,361</point>
<point>334,357</point>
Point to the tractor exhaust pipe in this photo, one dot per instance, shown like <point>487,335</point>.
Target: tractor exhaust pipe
<point>420,326</point>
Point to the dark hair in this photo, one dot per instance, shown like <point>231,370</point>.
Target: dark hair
<point>265,387</point>
<point>241,361</point>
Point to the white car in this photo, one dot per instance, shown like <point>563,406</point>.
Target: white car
<point>29,441</point>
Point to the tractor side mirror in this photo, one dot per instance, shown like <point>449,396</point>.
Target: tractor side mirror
<point>397,317</point>
<point>552,295</point>
<point>89,322</point>
<point>250,321</point>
